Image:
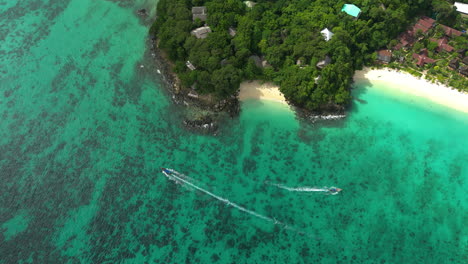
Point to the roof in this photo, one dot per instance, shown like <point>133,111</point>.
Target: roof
<point>406,38</point>
<point>462,8</point>
<point>465,60</point>
<point>201,32</point>
<point>443,44</point>
<point>232,31</point>
<point>199,12</point>
<point>324,62</point>
<point>426,22</point>
<point>450,31</point>
<point>454,63</point>
<point>384,55</point>
<point>351,10</point>
<point>249,4</point>
<point>464,70</point>
<point>424,52</point>
<point>190,65</point>
<point>327,34</point>
<point>423,24</point>
<point>422,59</point>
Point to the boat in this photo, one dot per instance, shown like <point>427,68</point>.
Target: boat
<point>167,171</point>
<point>334,190</point>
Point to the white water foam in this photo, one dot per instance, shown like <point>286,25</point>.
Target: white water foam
<point>175,176</point>
<point>299,189</point>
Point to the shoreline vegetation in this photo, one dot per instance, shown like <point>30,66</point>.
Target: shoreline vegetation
<point>405,83</point>
<point>214,49</point>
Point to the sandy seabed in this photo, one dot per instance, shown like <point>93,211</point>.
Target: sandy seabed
<point>261,90</point>
<point>403,82</point>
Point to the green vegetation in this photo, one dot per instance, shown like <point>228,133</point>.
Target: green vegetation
<point>440,71</point>
<point>284,32</point>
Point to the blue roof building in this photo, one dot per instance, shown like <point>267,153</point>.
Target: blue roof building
<point>351,10</point>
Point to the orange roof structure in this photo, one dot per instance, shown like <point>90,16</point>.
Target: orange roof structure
<point>451,32</point>
<point>422,59</point>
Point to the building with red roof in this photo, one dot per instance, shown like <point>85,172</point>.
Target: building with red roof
<point>450,32</point>
<point>422,59</point>
<point>384,55</point>
<point>442,44</point>
<point>426,22</point>
<point>407,39</point>
<point>423,24</point>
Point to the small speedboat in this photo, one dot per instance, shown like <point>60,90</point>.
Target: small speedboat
<point>167,171</point>
<point>334,190</point>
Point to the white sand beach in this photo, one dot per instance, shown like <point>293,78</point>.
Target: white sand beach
<point>406,83</point>
<point>260,90</point>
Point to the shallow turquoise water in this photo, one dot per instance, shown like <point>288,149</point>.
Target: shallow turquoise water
<point>84,131</point>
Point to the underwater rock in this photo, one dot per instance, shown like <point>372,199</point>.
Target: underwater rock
<point>142,12</point>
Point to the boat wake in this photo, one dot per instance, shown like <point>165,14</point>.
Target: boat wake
<point>181,179</point>
<point>327,190</point>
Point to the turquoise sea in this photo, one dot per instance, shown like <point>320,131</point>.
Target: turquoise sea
<point>84,130</point>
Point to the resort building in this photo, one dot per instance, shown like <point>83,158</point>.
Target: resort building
<point>250,4</point>
<point>199,12</point>
<point>317,79</point>
<point>384,56</point>
<point>190,66</point>
<point>232,32</point>
<point>408,38</point>
<point>450,32</point>
<point>454,64</point>
<point>351,10</point>
<point>465,60</point>
<point>201,32</point>
<point>323,63</point>
<point>327,34</point>
<point>462,8</point>
<point>463,70</point>
<point>422,59</point>
<point>423,24</point>
<point>442,45</point>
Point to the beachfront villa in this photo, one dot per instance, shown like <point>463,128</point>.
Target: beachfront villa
<point>327,34</point>
<point>422,59</point>
<point>351,10</point>
<point>384,56</point>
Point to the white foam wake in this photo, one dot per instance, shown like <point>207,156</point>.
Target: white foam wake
<point>176,177</point>
<point>182,179</point>
<point>299,189</point>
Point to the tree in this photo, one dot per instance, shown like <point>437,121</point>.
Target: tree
<point>226,80</point>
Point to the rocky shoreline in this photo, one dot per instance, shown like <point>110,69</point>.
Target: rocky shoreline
<point>206,113</point>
